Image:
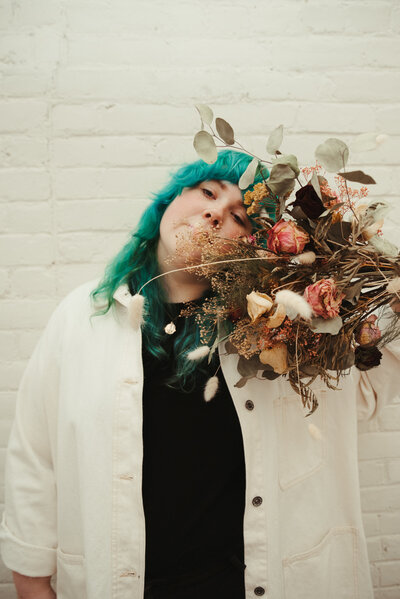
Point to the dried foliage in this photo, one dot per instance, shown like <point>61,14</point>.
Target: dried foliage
<point>345,283</point>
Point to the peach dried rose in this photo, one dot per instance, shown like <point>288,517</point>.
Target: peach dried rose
<point>286,237</point>
<point>324,298</point>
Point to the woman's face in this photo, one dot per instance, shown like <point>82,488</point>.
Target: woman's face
<point>214,205</point>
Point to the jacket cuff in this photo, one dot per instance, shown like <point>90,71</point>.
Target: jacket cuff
<point>27,559</point>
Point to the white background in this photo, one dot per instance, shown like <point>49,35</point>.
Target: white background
<point>97,106</point>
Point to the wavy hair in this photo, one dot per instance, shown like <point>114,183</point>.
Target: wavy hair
<point>136,263</point>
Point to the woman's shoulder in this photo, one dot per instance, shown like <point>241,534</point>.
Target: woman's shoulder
<point>76,302</point>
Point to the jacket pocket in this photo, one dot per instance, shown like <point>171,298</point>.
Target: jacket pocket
<point>328,570</point>
<point>300,453</point>
<point>71,576</point>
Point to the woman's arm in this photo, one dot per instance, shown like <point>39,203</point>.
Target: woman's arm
<point>28,529</point>
<point>29,587</point>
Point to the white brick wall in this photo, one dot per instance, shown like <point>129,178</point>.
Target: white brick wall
<point>97,104</point>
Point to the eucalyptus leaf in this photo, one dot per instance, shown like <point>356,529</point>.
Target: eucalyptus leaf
<point>241,382</point>
<point>205,146</point>
<point>225,131</point>
<point>314,181</point>
<point>333,154</point>
<point>353,292</point>
<point>230,348</point>
<point>358,177</point>
<point>275,140</point>
<point>247,177</point>
<point>291,160</point>
<point>383,246</point>
<point>206,114</point>
<point>281,179</point>
<point>326,325</point>
<point>248,367</point>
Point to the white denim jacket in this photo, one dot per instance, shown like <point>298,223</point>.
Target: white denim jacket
<point>73,498</point>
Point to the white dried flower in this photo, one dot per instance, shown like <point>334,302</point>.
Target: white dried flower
<point>135,310</point>
<point>305,258</point>
<point>394,285</point>
<point>314,431</point>
<point>294,303</point>
<point>372,230</point>
<point>170,328</point>
<point>199,353</point>
<point>211,388</point>
<point>257,304</point>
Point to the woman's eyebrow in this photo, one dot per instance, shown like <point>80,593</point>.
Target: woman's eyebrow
<point>220,183</point>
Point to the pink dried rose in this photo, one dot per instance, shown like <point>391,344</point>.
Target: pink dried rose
<point>287,237</point>
<point>367,333</point>
<point>324,298</point>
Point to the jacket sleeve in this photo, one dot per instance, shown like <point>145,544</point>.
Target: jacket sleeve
<point>28,530</point>
<point>380,385</point>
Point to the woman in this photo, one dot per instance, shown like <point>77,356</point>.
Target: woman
<point>124,481</point>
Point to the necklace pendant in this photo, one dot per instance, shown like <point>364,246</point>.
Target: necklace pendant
<point>170,328</point>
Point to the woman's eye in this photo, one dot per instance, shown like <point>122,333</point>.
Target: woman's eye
<point>208,193</point>
<point>238,219</point>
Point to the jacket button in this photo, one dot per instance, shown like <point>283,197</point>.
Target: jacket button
<point>257,501</point>
<point>249,404</point>
<point>259,591</point>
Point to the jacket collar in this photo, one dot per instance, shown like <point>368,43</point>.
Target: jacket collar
<point>122,295</point>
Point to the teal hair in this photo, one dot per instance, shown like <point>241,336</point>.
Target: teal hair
<point>136,262</point>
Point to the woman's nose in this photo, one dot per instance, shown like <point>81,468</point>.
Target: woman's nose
<point>213,216</point>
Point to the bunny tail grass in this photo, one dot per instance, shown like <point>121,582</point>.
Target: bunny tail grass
<point>135,310</point>
<point>211,388</point>
<point>199,353</point>
<point>314,431</point>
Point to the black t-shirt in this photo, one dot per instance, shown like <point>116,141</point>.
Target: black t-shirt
<point>193,471</point>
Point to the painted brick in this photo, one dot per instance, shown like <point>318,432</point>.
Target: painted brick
<point>8,346</point>
<point>33,282</point>
<point>374,548</point>
<point>7,403</point>
<point>393,470</point>
<point>22,314</point>
<point>391,547</point>
<point>371,524</point>
<point>389,573</point>
<point>4,282</point>
<point>27,217</point>
<point>377,445</point>
<point>10,374</point>
<point>24,184</point>
<point>15,49</point>
<point>389,418</point>
<point>20,82</point>
<point>26,341</point>
<point>133,183</point>
<point>97,215</point>
<point>16,116</point>
<point>37,13</point>
<point>70,276</point>
<point>26,249</point>
<point>389,523</point>
<point>89,247</point>
<point>382,498</point>
<point>17,151</point>
<point>371,472</point>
